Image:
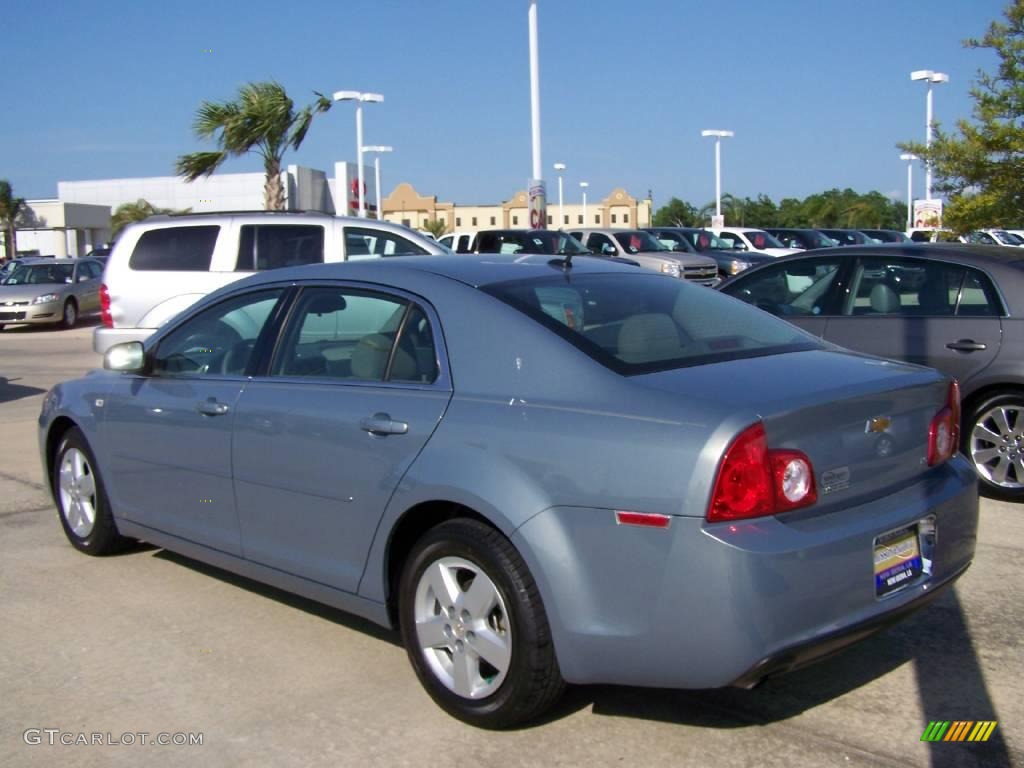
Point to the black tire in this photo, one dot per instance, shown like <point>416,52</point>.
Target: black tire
<point>532,682</point>
<point>101,537</point>
<point>1009,443</point>
<point>69,315</point>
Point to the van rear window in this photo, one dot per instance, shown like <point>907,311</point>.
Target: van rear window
<point>175,249</point>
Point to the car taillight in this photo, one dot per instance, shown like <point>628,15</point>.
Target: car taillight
<point>105,315</point>
<point>754,481</point>
<point>944,431</point>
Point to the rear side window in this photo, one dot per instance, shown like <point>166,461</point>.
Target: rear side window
<point>271,246</point>
<point>639,324</point>
<point>176,249</point>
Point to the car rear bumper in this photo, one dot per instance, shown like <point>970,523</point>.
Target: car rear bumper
<point>705,606</point>
<point>104,338</point>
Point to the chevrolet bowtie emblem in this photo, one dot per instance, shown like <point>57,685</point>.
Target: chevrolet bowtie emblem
<point>877,424</point>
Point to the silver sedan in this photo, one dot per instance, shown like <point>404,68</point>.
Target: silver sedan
<point>50,291</point>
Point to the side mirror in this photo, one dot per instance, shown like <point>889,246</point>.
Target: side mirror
<point>128,357</point>
<point>608,250</point>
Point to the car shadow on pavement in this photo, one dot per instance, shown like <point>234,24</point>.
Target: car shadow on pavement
<point>326,612</point>
<point>950,686</point>
<point>10,391</point>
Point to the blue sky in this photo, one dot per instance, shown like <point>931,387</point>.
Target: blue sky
<point>817,91</point>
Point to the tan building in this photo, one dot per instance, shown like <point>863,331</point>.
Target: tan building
<point>619,209</point>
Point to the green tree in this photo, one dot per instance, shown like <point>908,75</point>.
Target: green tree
<point>436,227</point>
<point>761,212</point>
<point>11,208</point>
<point>676,213</point>
<point>262,119</point>
<point>980,166</point>
<point>129,213</point>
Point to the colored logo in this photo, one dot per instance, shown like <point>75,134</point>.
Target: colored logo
<point>959,730</point>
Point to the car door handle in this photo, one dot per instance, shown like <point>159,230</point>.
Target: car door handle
<point>211,408</point>
<point>383,424</point>
<point>967,345</point>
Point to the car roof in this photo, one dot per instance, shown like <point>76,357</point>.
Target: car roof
<point>472,269</point>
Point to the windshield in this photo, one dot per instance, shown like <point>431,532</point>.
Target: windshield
<point>636,323</point>
<point>706,241</point>
<point>40,274</point>
<point>637,242</point>
<point>676,241</point>
<point>759,240</point>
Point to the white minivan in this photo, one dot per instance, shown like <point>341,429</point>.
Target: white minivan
<point>165,263</point>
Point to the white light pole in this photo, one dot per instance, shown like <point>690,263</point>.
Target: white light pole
<point>910,187</point>
<point>359,98</point>
<point>560,167</point>
<point>719,135</point>
<point>931,78</point>
<point>537,194</point>
<point>583,186</point>
<point>377,149</point>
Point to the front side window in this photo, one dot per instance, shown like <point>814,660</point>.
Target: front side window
<point>341,333</point>
<point>799,287</point>
<point>219,340</point>
<point>634,323</point>
<point>175,249</point>
<point>270,246</point>
<point>366,243</point>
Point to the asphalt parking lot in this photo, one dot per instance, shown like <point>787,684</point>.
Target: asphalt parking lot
<point>153,643</point>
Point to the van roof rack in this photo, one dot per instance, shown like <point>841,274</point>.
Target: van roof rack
<point>179,214</point>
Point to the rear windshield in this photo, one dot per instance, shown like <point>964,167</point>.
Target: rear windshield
<point>636,323</point>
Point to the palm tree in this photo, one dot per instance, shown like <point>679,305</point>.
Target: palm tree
<point>262,120</point>
<point>436,227</point>
<point>11,208</point>
<point>129,213</point>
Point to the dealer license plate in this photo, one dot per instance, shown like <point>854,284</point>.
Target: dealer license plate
<point>897,560</point>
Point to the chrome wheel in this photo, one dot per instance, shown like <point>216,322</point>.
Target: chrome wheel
<point>462,627</point>
<point>77,488</point>
<point>997,446</point>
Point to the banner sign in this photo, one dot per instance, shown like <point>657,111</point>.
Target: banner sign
<point>927,214</point>
<point>538,204</point>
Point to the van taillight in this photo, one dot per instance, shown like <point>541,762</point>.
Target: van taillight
<point>105,316</point>
<point>754,481</point>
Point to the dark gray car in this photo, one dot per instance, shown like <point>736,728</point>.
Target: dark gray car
<point>540,470</point>
<point>955,308</point>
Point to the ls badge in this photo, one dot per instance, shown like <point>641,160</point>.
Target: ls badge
<point>835,480</point>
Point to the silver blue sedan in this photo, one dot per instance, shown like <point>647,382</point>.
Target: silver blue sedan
<point>541,470</point>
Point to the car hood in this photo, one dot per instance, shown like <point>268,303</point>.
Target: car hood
<point>20,293</point>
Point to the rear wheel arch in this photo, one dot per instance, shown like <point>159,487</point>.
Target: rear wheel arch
<point>408,529</point>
